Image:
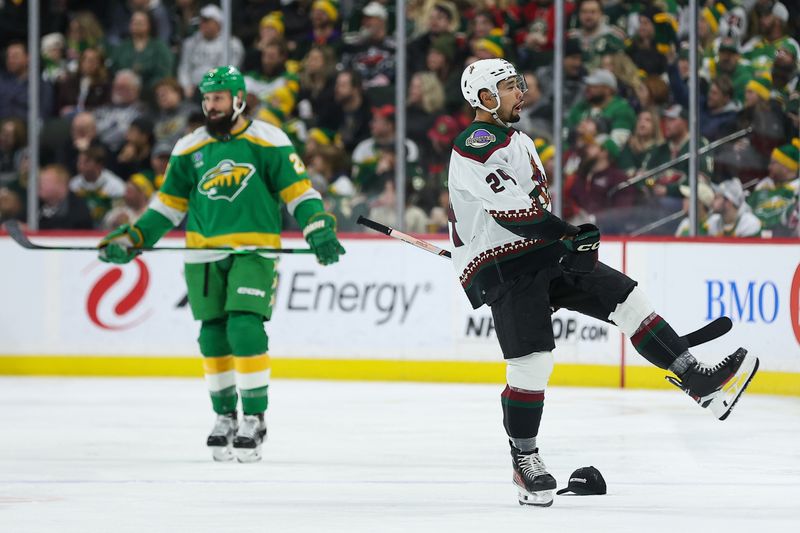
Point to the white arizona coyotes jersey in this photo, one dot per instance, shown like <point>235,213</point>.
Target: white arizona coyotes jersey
<point>500,222</point>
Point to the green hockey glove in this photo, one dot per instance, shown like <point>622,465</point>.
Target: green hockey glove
<point>121,245</point>
<point>581,257</point>
<point>320,233</point>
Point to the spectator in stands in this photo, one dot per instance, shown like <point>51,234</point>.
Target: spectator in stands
<point>718,110</point>
<point>317,78</point>
<point>383,208</point>
<point>59,207</point>
<point>705,197</point>
<point>367,155</point>
<point>443,21</point>
<point>147,56</point>
<point>536,116</point>
<point>83,134</point>
<point>596,177</point>
<point>774,195</point>
<point>14,86</point>
<point>324,18</point>
<point>729,64</point>
<point>535,35</point>
<point>173,111</point>
<point>436,158</point>
<point>664,188</point>
<point>11,207</point>
<point>371,52</point>
<point>646,136</point>
<point>84,31</point>
<point>270,28</point>
<point>134,203</point>
<point>441,61</point>
<point>601,100</point>
<point>328,171</point>
<point>97,185</point>
<point>206,50</point>
<point>732,217</point>
<point>643,50</point>
<point>134,156</point>
<point>272,76</point>
<point>748,157</point>
<point>652,91</point>
<point>13,142</point>
<point>772,35</point>
<point>574,74</point>
<point>351,114</point>
<point>53,57</point>
<point>114,119</point>
<point>425,101</point>
<point>594,34</point>
<point>785,79</point>
<point>154,173</point>
<point>124,11</point>
<point>186,19</point>
<point>88,88</point>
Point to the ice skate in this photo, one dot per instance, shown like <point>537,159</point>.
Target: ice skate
<point>719,387</point>
<point>251,434</point>
<point>221,437</point>
<point>535,486</point>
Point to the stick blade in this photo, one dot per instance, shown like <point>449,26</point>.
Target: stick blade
<point>714,329</point>
<point>15,232</point>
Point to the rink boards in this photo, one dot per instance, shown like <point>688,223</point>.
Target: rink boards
<point>389,311</point>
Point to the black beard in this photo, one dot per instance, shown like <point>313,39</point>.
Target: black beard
<point>221,126</point>
<point>596,99</point>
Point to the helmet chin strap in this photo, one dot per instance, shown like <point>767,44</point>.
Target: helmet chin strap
<point>493,112</point>
<point>238,107</point>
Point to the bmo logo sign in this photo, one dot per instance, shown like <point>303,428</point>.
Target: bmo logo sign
<point>754,301</point>
<point>743,301</point>
<point>114,299</point>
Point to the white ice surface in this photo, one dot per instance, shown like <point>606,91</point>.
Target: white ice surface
<point>128,455</point>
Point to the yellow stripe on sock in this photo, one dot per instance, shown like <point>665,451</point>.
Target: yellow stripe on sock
<point>218,365</point>
<point>253,363</point>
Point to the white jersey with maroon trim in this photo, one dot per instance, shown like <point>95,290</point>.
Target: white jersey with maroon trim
<point>499,207</point>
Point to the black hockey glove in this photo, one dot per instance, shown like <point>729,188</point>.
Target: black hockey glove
<point>581,257</point>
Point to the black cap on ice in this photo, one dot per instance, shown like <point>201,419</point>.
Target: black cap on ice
<point>584,481</point>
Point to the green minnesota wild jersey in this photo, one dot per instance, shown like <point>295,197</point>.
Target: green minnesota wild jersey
<point>231,189</point>
<point>770,200</point>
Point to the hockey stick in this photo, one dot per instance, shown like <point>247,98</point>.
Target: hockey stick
<point>15,232</point>
<point>391,232</point>
<point>714,329</point>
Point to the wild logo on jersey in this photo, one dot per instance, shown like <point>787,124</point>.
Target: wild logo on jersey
<point>539,192</point>
<point>226,180</point>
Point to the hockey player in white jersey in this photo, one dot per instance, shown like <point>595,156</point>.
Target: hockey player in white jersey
<point>515,256</point>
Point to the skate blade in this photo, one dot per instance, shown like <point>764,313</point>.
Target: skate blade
<point>542,498</point>
<point>248,455</point>
<point>222,454</point>
<point>726,398</point>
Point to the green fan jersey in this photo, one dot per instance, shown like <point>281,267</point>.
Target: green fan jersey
<point>771,200</point>
<point>231,188</point>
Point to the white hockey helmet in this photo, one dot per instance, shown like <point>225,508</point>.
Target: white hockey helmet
<point>486,74</point>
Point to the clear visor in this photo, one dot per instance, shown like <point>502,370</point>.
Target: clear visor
<point>511,84</point>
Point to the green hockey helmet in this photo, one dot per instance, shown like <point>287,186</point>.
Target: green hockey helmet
<point>226,78</point>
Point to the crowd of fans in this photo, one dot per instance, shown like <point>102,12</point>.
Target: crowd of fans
<point>118,87</point>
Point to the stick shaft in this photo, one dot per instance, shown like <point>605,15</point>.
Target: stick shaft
<point>15,232</point>
<point>399,235</point>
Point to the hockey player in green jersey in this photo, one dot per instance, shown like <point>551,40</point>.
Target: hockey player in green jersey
<point>229,178</point>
